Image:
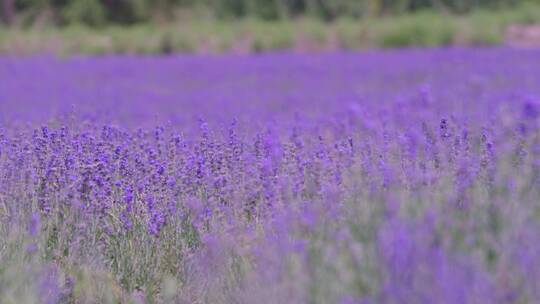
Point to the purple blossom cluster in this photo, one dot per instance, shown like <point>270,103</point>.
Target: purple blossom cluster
<point>406,176</point>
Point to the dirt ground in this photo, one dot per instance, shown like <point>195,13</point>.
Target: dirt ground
<point>523,35</point>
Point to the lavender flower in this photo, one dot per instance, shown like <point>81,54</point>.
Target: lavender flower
<point>379,177</point>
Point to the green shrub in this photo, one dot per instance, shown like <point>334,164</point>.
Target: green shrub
<point>528,13</point>
<point>88,12</point>
<point>95,12</point>
<point>422,29</point>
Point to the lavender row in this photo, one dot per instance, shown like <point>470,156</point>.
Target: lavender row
<point>399,177</point>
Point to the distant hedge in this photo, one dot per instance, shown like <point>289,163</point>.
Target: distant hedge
<point>99,12</point>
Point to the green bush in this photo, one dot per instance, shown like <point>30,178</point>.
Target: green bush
<point>97,12</point>
<point>128,11</point>
<point>425,29</point>
<point>528,13</point>
<point>90,12</point>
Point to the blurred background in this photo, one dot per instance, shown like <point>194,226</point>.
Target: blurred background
<point>245,26</point>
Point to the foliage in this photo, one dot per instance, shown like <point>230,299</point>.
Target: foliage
<point>95,12</point>
<point>425,28</point>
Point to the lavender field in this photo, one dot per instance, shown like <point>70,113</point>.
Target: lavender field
<point>408,176</point>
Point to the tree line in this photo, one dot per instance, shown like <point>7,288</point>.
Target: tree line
<point>99,12</point>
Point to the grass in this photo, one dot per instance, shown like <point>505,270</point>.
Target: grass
<point>426,28</point>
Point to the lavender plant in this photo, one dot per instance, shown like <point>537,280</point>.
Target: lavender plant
<point>377,177</point>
